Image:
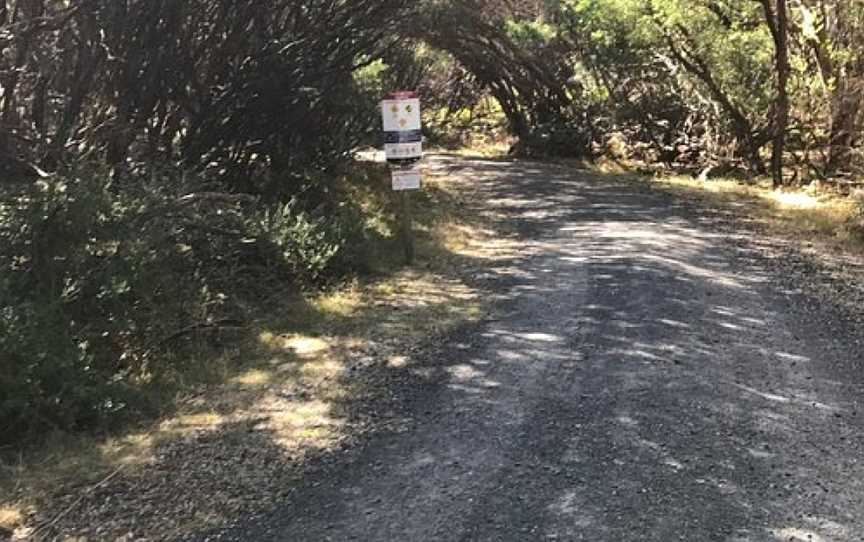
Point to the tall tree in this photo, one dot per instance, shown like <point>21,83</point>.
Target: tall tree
<point>777,17</point>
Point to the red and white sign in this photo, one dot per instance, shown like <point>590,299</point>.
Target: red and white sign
<point>401,112</point>
<point>403,136</point>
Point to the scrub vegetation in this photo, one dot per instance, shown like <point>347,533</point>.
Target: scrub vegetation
<point>173,174</point>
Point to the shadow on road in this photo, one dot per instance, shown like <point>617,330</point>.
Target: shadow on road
<point>642,380</point>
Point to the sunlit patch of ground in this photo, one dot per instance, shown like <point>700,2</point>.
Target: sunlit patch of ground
<point>10,518</point>
<point>804,214</point>
<point>797,535</point>
<point>290,395</point>
<point>234,446</point>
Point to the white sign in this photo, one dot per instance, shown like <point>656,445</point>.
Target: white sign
<point>401,113</point>
<point>403,135</point>
<point>407,179</point>
<point>403,151</point>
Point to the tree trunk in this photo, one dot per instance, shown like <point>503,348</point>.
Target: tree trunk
<point>783,70</point>
<point>778,24</point>
<point>4,137</point>
<point>840,32</point>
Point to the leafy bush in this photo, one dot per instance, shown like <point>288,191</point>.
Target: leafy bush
<point>103,282</point>
<point>563,138</point>
<point>236,86</point>
<point>312,245</point>
<point>856,221</point>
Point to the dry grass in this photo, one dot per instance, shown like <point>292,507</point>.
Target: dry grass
<point>809,216</point>
<point>286,381</point>
<point>486,147</point>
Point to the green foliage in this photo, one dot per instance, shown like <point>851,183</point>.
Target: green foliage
<point>102,291</point>
<point>68,310</point>
<point>309,245</point>
<point>213,132</point>
<point>215,129</point>
<point>235,87</point>
<point>688,81</point>
<point>566,138</point>
<point>530,33</point>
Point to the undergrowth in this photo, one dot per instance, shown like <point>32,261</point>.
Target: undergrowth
<point>293,345</point>
<point>110,286</point>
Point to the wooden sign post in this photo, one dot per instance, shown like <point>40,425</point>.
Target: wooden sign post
<point>403,147</point>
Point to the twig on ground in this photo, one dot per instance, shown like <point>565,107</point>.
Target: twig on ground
<point>61,515</point>
<point>227,323</point>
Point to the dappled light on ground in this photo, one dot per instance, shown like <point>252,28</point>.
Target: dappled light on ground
<point>795,534</point>
<point>803,214</point>
<point>640,378</point>
<point>286,399</point>
<point>640,381</point>
<point>794,200</point>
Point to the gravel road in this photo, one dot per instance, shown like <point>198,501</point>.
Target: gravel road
<point>643,378</point>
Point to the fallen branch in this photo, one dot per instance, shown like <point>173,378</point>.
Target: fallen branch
<point>191,199</point>
<point>207,326</point>
<point>216,197</point>
<point>72,506</point>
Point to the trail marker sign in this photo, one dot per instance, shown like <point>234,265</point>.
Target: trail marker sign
<point>403,147</point>
<point>403,135</point>
<point>406,179</point>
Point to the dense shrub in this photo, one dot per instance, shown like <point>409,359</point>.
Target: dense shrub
<point>856,221</point>
<point>314,246</point>
<point>563,138</point>
<point>215,129</point>
<point>100,289</point>
<point>236,87</point>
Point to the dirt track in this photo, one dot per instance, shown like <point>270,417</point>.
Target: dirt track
<point>643,379</point>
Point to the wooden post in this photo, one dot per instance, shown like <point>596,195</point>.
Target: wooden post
<point>403,148</point>
<point>406,221</point>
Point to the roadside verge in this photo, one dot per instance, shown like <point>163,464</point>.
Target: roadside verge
<point>277,404</point>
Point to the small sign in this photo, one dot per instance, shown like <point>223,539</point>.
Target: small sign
<point>411,136</point>
<point>407,179</point>
<point>403,136</point>
<point>401,112</point>
<point>403,151</point>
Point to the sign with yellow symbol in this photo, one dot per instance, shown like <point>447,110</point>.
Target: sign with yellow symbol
<point>403,137</point>
<point>401,112</point>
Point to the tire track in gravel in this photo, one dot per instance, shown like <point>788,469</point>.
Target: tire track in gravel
<point>641,381</point>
